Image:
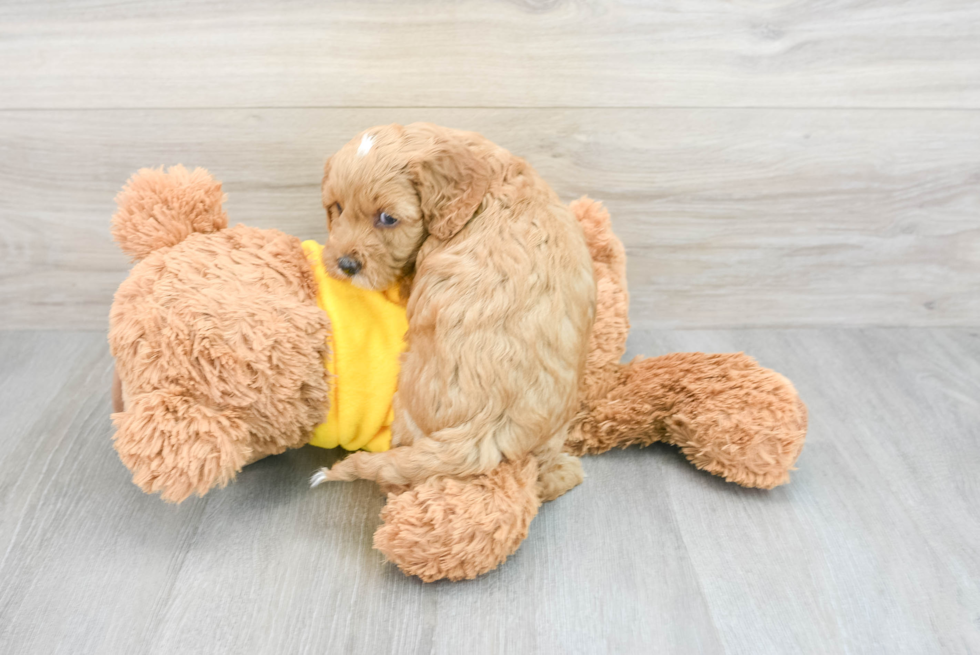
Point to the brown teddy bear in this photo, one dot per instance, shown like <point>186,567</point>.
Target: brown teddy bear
<point>226,352</point>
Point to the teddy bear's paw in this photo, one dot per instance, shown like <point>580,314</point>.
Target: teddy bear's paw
<point>458,529</point>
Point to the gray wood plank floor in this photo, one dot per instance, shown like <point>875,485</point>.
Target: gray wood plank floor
<point>872,548</point>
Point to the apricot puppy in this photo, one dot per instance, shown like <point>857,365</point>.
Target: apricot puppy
<point>501,304</point>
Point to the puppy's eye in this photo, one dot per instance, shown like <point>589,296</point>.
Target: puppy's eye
<point>385,220</point>
<point>337,206</point>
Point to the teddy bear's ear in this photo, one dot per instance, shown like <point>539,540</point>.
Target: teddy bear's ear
<point>159,209</point>
<point>451,179</point>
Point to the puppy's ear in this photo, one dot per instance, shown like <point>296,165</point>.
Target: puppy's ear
<point>451,182</point>
<point>324,190</point>
<point>323,182</point>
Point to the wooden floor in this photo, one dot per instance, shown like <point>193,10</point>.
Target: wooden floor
<point>874,547</point>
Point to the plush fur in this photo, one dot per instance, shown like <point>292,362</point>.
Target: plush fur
<point>217,337</point>
<point>219,351</point>
<point>460,528</point>
<point>501,305</point>
<point>728,415</point>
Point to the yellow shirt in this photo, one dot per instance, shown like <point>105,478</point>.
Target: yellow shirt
<point>367,338</point>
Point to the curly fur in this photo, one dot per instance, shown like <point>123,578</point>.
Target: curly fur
<point>501,306</point>
<point>219,348</point>
<point>730,417</point>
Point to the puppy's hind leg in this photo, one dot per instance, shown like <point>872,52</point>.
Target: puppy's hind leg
<point>357,466</point>
<point>558,471</point>
<point>409,465</point>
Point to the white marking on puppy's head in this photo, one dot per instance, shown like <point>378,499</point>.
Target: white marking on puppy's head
<point>366,142</point>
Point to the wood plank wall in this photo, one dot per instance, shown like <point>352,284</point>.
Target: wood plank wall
<point>767,163</point>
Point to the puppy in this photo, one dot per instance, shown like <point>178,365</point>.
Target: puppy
<point>501,301</point>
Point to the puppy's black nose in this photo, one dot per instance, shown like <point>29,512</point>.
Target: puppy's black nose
<point>349,265</point>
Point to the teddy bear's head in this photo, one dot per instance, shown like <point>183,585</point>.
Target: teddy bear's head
<point>218,340</point>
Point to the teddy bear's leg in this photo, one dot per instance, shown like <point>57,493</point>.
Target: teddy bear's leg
<point>177,446</point>
<point>607,343</point>
<point>558,471</point>
<point>459,528</point>
<point>727,414</point>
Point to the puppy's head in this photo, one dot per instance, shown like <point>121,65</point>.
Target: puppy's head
<point>390,189</point>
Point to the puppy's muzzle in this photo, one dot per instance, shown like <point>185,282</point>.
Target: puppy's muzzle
<point>349,265</point>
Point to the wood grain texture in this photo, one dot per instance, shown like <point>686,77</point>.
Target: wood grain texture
<point>524,53</point>
<point>731,217</point>
<point>871,548</point>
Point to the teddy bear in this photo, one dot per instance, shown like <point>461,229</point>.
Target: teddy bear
<point>233,344</point>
